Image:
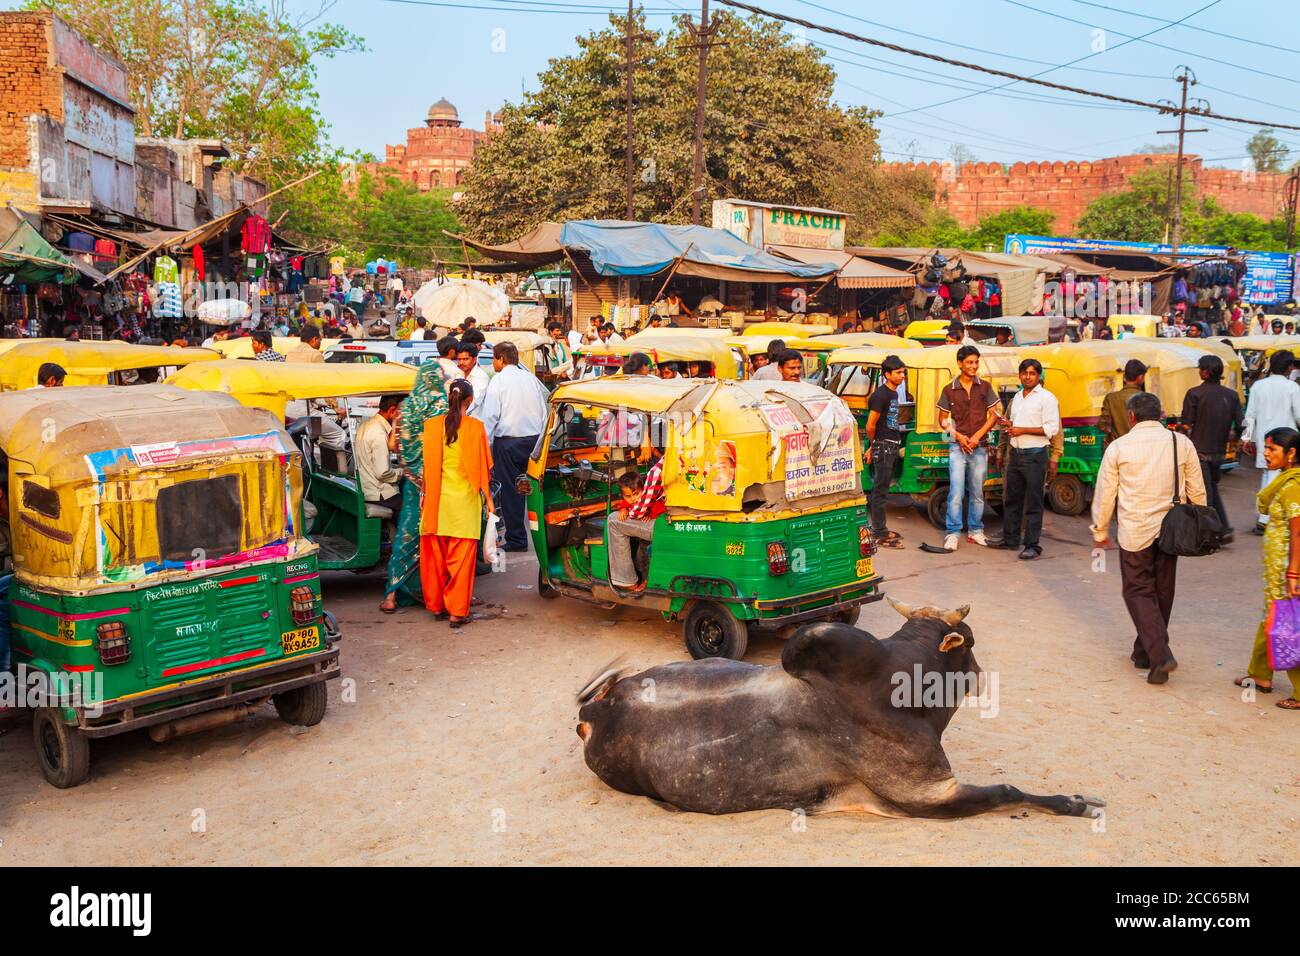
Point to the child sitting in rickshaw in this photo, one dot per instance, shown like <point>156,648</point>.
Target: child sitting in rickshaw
<point>643,502</point>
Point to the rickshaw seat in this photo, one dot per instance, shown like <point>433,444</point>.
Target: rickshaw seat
<point>377,511</point>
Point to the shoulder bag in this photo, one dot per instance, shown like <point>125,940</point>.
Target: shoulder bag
<point>1188,530</point>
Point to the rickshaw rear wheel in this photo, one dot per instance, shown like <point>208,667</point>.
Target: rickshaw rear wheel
<point>302,706</point>
<point>936,506</point>
<point>1065,495</point>
<point>63,751</point>
<point>711,630</point>
<point>544,587</point>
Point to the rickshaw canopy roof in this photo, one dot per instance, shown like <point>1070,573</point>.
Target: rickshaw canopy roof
<point>271,385</point>
<point>873,339</point>
<point>1260,342</point>
<point>926,329</point>
<point>1143,325</point>
<point>669,348</point>
<point>652,333</point>
<point>242,347</point>
<point>91,363</point>
<point>782,329</point>
<point>521,338</point>
<point>1027,329</point>
<point>90,419</point>
<point>640,393</point>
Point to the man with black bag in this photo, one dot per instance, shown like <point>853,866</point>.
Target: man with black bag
<point>1136,485</point>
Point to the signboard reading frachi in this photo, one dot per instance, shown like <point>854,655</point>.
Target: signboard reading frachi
<point>762,224</point>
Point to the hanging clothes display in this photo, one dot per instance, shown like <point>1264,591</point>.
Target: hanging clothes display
<point>255,236</point>
<point>165,269</point>
<point>198,263</point>
<point>105,252</point>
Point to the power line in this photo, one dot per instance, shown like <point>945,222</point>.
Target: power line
<point>1156,107</point>
<point>1143,38</point>
<point>1035,77</point>
<point>1219,34</point>
<point>582,11</point>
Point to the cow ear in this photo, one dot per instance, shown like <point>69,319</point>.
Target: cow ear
<point>950,640</point>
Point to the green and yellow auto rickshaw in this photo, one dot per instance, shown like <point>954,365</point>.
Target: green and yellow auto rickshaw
<point>96,363</point>
<point>766,525</point>
<point>161,577</point>
<point>348,530</point>
<point>921,471</point>
<point>709,356</point>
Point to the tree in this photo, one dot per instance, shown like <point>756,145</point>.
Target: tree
<point>241,71</point>
<point>772,130</point>
<point>1141,212</point>
<point>991,231</point>
<point>1267,152</point>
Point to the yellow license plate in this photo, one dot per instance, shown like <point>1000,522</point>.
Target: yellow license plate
<point>303,639</point>
<point>864,568</point>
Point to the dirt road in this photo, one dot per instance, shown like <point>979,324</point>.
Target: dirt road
<point>459,747</point>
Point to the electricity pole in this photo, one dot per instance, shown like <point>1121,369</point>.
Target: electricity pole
<point>627,60</point>
<point>1186,78</point>
<point>1292,195</point>
<point>703,34</point>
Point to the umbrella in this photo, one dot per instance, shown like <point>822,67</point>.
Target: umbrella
<point>451,302</point>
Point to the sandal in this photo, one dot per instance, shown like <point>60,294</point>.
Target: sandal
<point>1241,682</point>
<point>892,539</point>
<point>1289,704</point>
<point>459,622</point>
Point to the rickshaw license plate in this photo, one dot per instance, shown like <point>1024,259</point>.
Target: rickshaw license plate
<point>864,567</point>
<point>303,639</point>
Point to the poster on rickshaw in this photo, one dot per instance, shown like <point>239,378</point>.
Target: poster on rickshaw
<point>819,457</point>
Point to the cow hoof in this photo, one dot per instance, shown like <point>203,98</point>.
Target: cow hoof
<point>1081,806</point>
<point>1093,801</point>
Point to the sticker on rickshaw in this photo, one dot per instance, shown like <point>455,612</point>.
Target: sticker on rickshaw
<point>302,639</point>
<point>864,568</point>
<point>735,548</point>
<point>67,630</point>
<point>1087,439</point>
<point>164,453</point>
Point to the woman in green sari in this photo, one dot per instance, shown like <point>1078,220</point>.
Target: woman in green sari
<point>427,400</point>
<point>1281,502</point>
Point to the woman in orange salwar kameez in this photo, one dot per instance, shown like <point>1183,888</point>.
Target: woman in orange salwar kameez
<point>457,466</point>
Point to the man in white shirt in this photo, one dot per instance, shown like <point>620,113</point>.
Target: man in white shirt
<point>469,369</point>
<point>421,327</point>
<point>1136,484</point>
<point>608,334</point>
<point>380,479</point>
<point>1274,403</point>
<point>514,415</point>
<point>559,363</point>
<point>1034,418</point>
<point>771,372</point>
<point>354,328</point>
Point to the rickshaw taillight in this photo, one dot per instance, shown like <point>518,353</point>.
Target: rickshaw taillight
<point>302,601</point>
<point>777,560</point>
<point>866,546</point>
<point>114,643</point>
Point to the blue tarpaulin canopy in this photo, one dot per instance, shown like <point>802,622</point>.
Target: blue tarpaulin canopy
<point>618,248</point>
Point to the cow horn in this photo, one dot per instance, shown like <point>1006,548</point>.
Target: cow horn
<point>953,618</point>
<point>904,609</point>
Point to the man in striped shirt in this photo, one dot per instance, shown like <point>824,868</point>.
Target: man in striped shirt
<point>635,521</point>
<point>262,347</point>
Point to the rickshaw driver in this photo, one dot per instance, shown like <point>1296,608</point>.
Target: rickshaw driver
<point>638,521</point>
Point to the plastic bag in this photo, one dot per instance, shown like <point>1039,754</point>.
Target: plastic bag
<point>1284,634</point>
<point>492,544</point>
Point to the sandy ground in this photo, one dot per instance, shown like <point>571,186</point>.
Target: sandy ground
<point>459,747</point>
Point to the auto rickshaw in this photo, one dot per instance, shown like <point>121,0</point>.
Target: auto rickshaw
<point>1255,351</point>
<point>1024,330</point>
<point>161,577</point>
<point>347,529</point>
<point>534,348</point>
<point>813,351</point>
<point>1134,326</point>
<point>766,526</point>
<point>691,332</point>
<point>714,356</point>
<point>928,332</point>
<point>242,346</point>
<point>798,330</point>
<point>880,340</point>
<point>922,467</point>
<point>1082,374</point>
<point>95,363</point>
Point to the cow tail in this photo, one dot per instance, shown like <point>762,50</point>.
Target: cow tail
<point>600,682</point>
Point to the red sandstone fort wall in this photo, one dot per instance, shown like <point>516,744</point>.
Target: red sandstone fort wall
<point>1065,188</point>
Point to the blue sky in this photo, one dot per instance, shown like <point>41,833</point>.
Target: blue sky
<point>478,58</point>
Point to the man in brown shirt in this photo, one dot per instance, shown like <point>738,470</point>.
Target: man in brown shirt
<point>1114,407</point>
<point>968,410</point>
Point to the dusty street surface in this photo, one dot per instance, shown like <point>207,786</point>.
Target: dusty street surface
<point>459,747</point>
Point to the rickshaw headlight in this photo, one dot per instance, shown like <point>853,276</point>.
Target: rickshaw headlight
<point>114,643</point>
<point>777,560</point>
<point>866,546</point>
<point>302,600</point>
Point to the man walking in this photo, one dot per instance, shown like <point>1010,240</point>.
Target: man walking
<point>1274,403</point>
<point>885,435</point>
<point>1135,484</point>
<point>1211,414</point>
<point>1035,418</point>
<point>1114,407</point>
<point>968,408</point>
<point>514,417</point>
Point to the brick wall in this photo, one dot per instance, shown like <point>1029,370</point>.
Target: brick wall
<point>30,82</point>
<point>1065,188</point>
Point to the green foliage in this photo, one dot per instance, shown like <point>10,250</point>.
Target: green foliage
<point>1266,151</point>
<point>772,130</point>
<point>991,231</point>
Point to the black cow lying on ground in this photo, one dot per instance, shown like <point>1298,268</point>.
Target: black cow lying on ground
<point>823,732</point>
